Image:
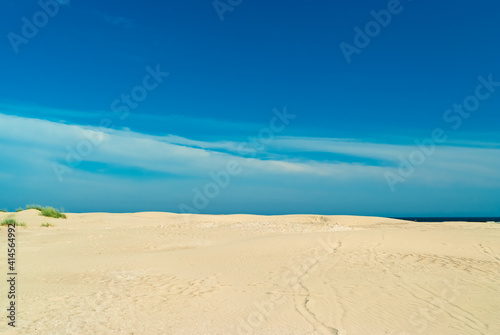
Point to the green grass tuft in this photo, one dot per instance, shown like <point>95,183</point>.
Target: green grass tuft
<point>47,225</point>
<point>37,207</point>
<point>19,210</point>
<point>7,222</point>
<point>4,210</point>
<point>51,212</point>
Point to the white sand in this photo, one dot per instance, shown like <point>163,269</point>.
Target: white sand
<point>161,273</point>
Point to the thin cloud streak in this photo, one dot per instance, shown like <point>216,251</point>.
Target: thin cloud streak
<point>174,154</point>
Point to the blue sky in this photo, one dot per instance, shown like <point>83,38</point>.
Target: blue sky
<point>136,106</point>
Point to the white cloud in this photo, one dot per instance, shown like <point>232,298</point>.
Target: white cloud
<point>29,147</point>
<point>115,20</point>
<point>178,155</point>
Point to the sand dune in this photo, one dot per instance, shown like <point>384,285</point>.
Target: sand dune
<point>162,273</point>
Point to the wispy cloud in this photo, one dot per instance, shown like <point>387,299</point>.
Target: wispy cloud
<point>115,20</point>
<point>176,164</point>
<point>200,125</point>
<point>175,154</point>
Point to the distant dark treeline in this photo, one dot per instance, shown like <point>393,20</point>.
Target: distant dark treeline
<point>444,219</point>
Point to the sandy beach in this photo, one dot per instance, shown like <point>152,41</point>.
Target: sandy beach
<point>162,273</point>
